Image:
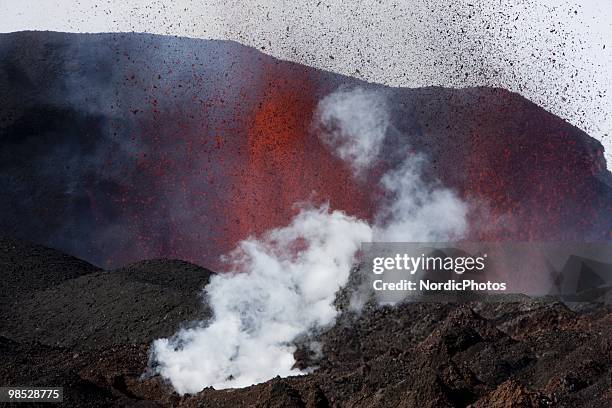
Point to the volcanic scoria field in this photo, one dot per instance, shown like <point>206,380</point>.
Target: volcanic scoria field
<point>67,323</point>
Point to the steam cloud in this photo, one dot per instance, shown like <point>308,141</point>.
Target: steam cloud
<point>283,284</point>
<point>354,124</point>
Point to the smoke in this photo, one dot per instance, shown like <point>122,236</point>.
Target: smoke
<point>283,284</point>
<point>280,286</point>
<point>353,123</point>
<point>418,211</point>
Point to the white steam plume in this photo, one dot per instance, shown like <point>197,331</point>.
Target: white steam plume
<point>275,292</point>
<point>354,124</point>
<point>283,284</point>
<point>418,212</point>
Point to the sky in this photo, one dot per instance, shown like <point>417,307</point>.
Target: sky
<point>556,53</point>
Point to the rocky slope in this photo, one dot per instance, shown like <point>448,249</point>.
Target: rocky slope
<point>67,323</point>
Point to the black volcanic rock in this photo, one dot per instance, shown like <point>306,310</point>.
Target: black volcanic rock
<point>185,276</point>
<point>27,268</point>
<point>39,365</point>
<point>100,310</point>
<point>91,334</point>
<point>58,300</point>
